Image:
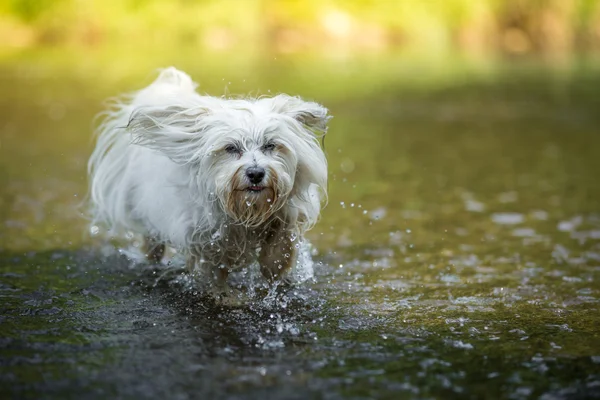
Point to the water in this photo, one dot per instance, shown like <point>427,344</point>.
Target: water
<point>459,255</point>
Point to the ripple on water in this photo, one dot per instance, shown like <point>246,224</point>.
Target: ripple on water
<point>508,218</point>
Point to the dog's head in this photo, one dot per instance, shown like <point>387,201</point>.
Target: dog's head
<point>255,157</point>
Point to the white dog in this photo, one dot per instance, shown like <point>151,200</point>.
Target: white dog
<point>223,181</point>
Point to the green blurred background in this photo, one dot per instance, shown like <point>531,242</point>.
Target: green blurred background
<point>409,83</point>
<point>483,28</point>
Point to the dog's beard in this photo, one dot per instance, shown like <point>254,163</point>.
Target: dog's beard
<point>251,207</point>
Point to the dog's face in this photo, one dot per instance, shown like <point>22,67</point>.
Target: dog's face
<point>252,156</point>
<point>254,172</point>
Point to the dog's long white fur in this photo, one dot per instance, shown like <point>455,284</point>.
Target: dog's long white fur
<point>162,166</point>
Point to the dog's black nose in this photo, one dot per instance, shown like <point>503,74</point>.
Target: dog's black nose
<point>255,174</point>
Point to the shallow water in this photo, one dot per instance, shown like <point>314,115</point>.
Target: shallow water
<point>459,255</point>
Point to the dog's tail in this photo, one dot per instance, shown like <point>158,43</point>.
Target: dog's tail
<point>168,89</point>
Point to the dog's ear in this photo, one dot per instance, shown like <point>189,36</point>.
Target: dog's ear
<point>307,122</point>
<point>173,130</point>
<point>310,114</point>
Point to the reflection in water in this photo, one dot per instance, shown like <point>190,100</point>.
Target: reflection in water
<point>459,256</point>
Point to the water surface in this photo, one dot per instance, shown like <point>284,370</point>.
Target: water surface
<point>459,255</point>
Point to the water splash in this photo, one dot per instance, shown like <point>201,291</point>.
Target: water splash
<point>172,268</point>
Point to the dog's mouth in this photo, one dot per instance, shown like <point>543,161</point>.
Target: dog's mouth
<point>255,189</point>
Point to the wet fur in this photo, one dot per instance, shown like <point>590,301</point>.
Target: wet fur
<point>161,167</point>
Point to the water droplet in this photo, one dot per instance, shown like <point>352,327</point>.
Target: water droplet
<point>94,230</point>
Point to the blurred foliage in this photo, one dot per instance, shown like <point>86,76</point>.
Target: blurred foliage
<point>482,27</point>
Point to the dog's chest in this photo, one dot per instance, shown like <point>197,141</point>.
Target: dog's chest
<point>235,245</point>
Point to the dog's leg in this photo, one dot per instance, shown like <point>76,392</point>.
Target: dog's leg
<point>221,273</point>
<point>223,293</point>
<point>153,249</point>
<point>190,263</point>
<point>277,255</point>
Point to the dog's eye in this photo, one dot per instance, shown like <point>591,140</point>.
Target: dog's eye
<point>269,147</point>
<point>232,149</point>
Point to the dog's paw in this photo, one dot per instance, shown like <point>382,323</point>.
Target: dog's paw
<point>286,282</point>
<point>225,295</point>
